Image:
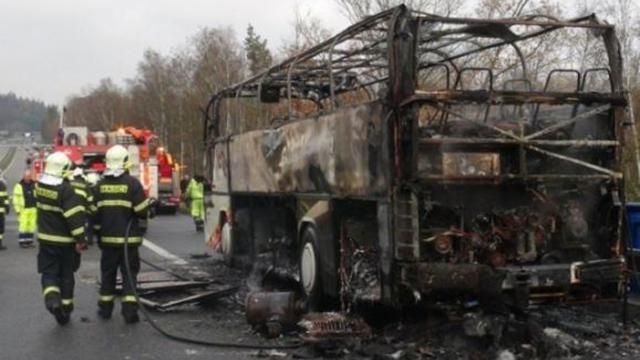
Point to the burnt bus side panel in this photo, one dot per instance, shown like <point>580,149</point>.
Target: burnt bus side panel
<point>220,172</point>
<point>314,160</point>
<point>338,154</point>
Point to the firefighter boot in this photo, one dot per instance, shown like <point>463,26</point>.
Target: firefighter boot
<point>54,304</point>
<point>67,307</point>
<point>105,308</point>
<point>130,312</point>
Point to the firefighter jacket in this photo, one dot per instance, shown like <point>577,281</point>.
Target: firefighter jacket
<point>61,214</point>
<point>82,189</point>
<point>4,198</point>
<point>118,200</point>
<point>23,195</point>
<point>195,190</point>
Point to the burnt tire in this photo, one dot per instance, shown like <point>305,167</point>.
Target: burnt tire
<point>310,269</point>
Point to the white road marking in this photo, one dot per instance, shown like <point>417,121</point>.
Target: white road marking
<point>13,160</point>
<point>163,252</point>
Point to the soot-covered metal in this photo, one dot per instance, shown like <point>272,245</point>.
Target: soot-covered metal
<point>423,156</point>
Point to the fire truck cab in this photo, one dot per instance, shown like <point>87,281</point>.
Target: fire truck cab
<point>150,162</point>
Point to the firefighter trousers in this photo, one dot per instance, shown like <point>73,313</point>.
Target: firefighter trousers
<point>197,212</point>
<point>27,224</point>
<point>56,264</point>
<point>111,261</point>
<point>2,217</point>
<point>88,230</point>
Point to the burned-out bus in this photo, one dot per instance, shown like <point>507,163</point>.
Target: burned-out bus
<point>414,157</point>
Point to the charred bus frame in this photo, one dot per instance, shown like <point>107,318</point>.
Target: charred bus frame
<point>393,176</point>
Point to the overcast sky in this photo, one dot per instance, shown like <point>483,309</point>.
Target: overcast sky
<point>52,49</point>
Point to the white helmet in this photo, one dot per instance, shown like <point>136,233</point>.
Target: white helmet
<point>57,164</point>
<point>78,172</point>
<point>117,159</point>
<point>93,178</point>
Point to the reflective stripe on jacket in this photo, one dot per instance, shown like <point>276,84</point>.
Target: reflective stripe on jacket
<point>61,214</point>
<point>81,188</point>
<point>116,201</point>
<point>4,198</point>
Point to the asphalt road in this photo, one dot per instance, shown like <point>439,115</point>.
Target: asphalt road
<point>28,331</point>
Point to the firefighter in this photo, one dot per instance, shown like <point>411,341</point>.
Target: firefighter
<point>195,194</point>
<point>81,188</point>
<point>61,234</point>
<point>24,203</point>
<point>79,183</point>
<point>120,204</point>
<point>92,181</point>
<point>4,208</point>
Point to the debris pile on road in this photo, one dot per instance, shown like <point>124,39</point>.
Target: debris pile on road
<point>163,290</point>
<point>333,326</point>
<point>265,312</point>
<point>547,333</point>
<point>437,331</point>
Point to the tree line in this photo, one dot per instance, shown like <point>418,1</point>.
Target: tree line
<point>19,115</point>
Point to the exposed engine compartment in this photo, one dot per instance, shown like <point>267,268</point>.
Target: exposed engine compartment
<point>549,230</point>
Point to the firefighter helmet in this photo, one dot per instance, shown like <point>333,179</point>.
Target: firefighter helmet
<point>93,178</point>
<point>117,158</point>
<point>78,172</point>
<point>57,164</point>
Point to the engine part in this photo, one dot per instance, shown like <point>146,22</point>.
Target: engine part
<point>273,311</point>
<point>576,226</point>
<point>527,249</point>
<point>443,244</point>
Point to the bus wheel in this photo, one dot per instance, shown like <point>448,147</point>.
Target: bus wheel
<point>310,268</point>
<point>226,243</point>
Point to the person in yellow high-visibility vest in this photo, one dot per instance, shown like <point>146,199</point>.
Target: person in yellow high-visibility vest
<point>195,194</point>
<point>24,203</point>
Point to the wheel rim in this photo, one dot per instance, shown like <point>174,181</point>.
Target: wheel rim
<point>308,268</point>
<point>226,239</point>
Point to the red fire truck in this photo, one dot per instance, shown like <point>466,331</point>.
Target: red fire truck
<point>151,163</point>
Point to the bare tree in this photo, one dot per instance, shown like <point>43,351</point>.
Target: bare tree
<point>308,30</point>
<point>625,15</point>
<point>100,108</point>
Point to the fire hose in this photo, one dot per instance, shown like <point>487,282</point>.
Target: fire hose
<point>181,338</point>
